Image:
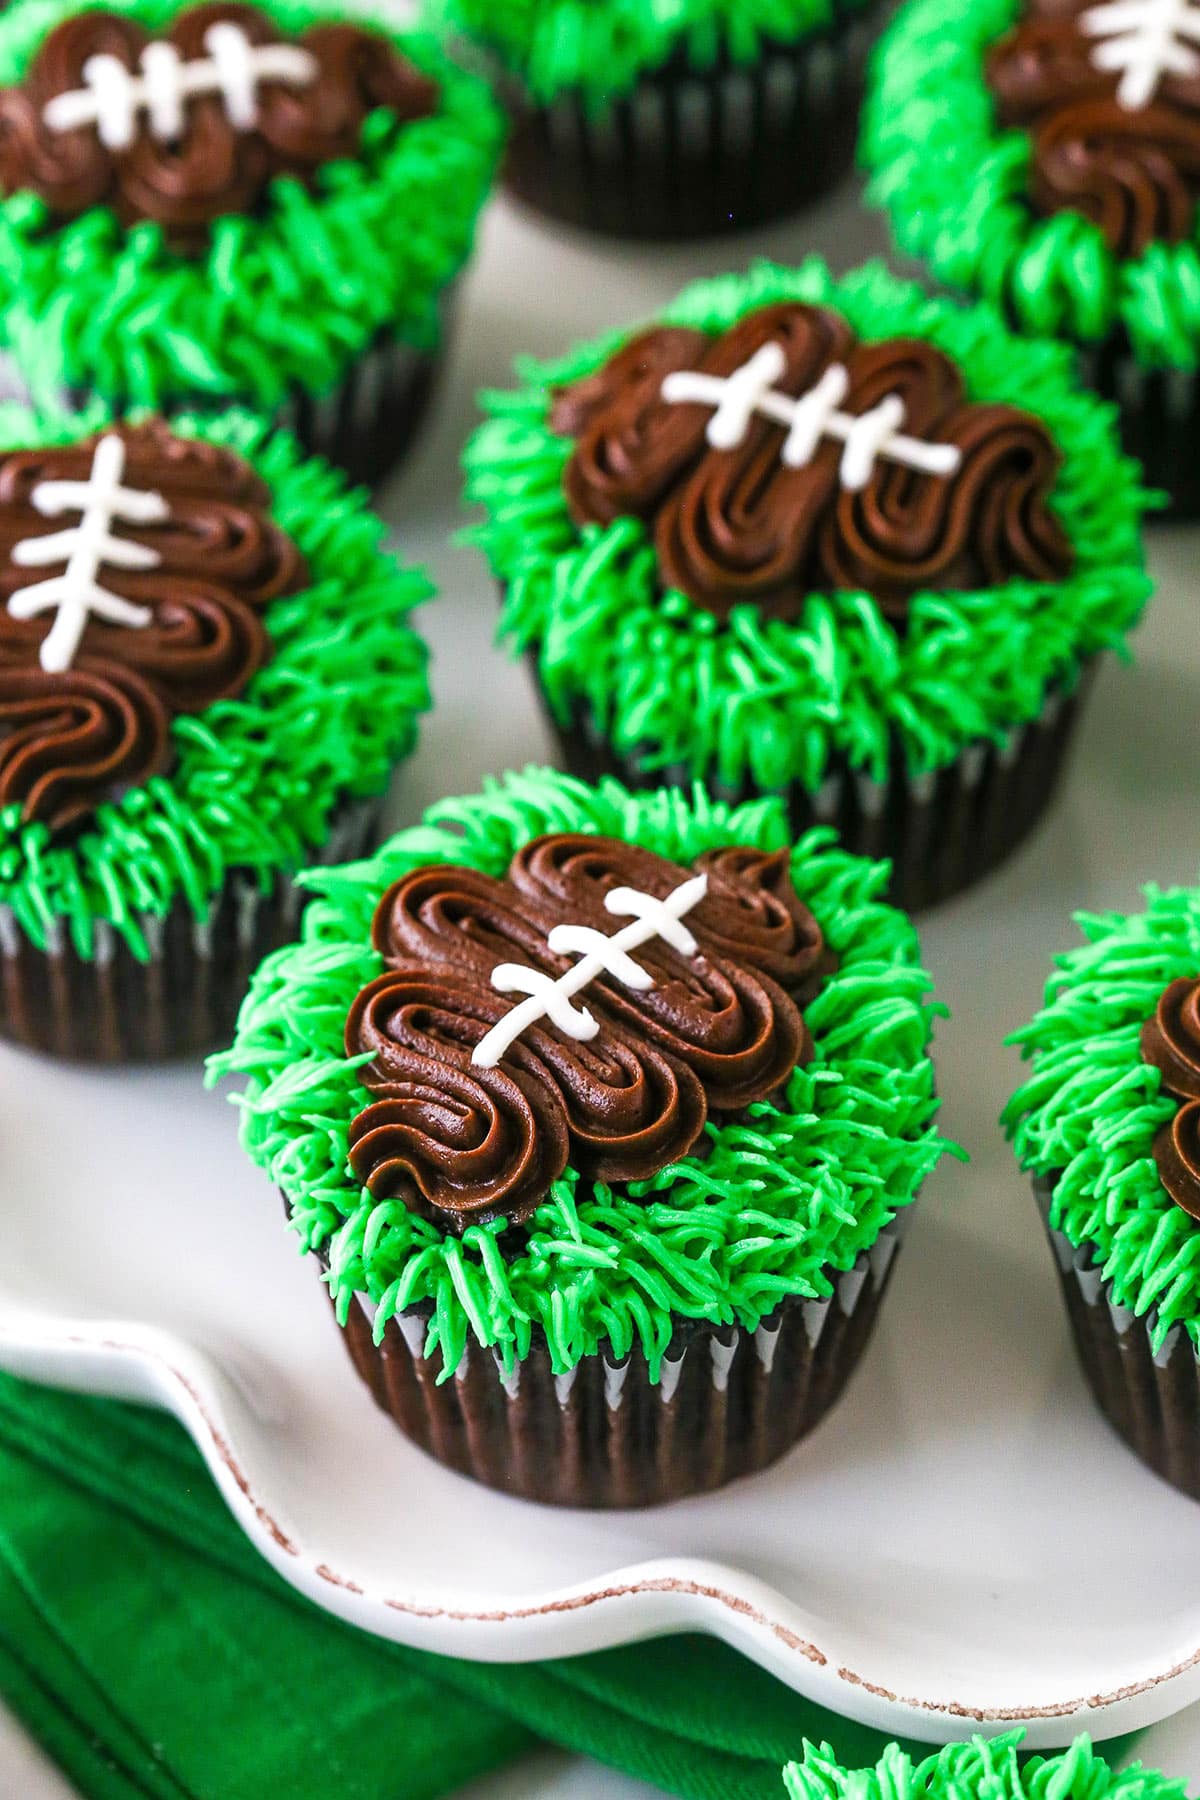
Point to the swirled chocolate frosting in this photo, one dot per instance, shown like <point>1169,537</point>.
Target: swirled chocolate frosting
<point>1171,1044</point>
<point>212,166</point>
<point>739,524</point>
<point>71,740</point>
<point>458,1142</point>
<point>1134,171</point>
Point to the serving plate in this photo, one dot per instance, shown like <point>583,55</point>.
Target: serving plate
<point>962,1545</point>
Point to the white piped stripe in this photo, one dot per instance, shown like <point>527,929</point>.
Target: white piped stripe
<point>815,415</point>
<point>234,67</point>
<point>737,398</point>
<point>599,955</point>
<point>1145,40</point>
<point>76,594</point>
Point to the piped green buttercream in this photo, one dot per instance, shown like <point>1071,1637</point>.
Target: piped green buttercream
<point>982,1769</point>
<point>256,780</point>
<point>287,298</point>
<point>956,187</point>
<point>1088,1113</point>
<point>601,47</point>
<point>780,1198</point>
<point>774,701</point>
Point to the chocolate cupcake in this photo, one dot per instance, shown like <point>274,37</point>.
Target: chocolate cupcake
<point>206,675</point>
<point>1045,154</point>
<point>665,121</point>
<point>603,1112</point>
<point>821,538</point>
<point>232,204</point>
<point>978,1770</point>
<point>1108,1125</point>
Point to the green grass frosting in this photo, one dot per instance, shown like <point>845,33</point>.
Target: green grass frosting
<point>769,702</point>
<point>255,780</point>
<point>956,186</point>
<point>781,1198</point>
<point>602,46</point>
<point>1089,1110</point>
<point>982,1769</point>
<point>286,298</point>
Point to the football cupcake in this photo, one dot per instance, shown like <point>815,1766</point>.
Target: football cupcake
<point>1046,154</point>
<point>603,1113</point>
<point>980,1769</point>
<point>206,674</point>
<point>234,204</point>
<point>656,119</point>
<point>827,539</point>
<point>1108,1125</point>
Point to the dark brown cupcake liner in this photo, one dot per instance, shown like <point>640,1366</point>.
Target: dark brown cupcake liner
<point>1150,1397</point>
<point>368,423</point>
<point>942,831</point>
<point>692,153</point>
<point>1159,411</point>
<point>729,1402</point>
<point>112,1007</point>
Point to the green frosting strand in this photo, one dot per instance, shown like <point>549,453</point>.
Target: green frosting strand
<point>256,780</point>
<point>982,1769</point>
<point>602,46</point>
<point>1088,1113</point>
<point>774,701</point>
<point>288,298</point>
<point>779,1199</point>
<point>956,187</point>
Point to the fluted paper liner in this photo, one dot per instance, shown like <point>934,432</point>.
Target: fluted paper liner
<point>367,424</point>
<point>689,153</point>
<point>1151,1397</point>
<point>113,1007</point>
<point>1159,412</point>
<point>942,831</point>
<point>729,1402</point>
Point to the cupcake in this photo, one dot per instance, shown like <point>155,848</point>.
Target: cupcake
<point>1045,154</point>
<point>229,204</point>
<point>206,674</point>
<point>602,1112</point>
<point>982,1769</point>
<point>826,539</point>
<point>1108,1126</point>
<point>655,119</point>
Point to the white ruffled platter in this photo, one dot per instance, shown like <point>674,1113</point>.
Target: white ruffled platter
<point>963,1544</point>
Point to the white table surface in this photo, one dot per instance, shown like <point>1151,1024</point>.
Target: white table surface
<point>536,290</point>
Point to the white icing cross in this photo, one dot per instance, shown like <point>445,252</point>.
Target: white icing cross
<point>815,415</point>
<point>1145,40</point>
<point>598,955</point>
<point>76,594</point>
<point>233,68</point>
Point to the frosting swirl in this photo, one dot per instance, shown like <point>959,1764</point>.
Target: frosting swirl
<point>744,523</point>
<point>212,166</point>
<point>1171,1044</point>
<point>67,738</point>
<point>70,740</point>
<point>751,911</point>
<point>711,1032</point>
<point>454,1141</point>
<point>1134,171</point>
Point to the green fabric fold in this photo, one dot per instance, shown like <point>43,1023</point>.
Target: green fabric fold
<point>155,1655</point>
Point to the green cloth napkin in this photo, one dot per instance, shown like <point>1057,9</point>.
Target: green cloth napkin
<point>155,1655</point>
